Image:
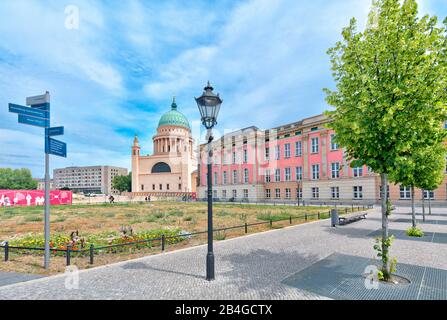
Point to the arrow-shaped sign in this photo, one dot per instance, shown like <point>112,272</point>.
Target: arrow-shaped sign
<point>54,131</point>
<point>27,111</point>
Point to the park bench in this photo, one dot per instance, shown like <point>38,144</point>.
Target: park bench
<point>352,217</point>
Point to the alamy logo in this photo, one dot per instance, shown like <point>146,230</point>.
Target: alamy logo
<point>71,278</point>
<point>371,277</point>
<point>72,17</point>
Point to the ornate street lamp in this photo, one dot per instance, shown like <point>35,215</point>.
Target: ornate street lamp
<point>209,106</point>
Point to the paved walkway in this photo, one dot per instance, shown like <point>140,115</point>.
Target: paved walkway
<point>7,278</point>
<point>251,267</point>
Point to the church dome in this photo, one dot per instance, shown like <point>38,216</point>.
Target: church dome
<point>174,118</point>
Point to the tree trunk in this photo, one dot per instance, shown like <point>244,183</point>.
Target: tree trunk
<point>413,210</point>
<point>384,196</point>
<point>423,205</point>
<point>429,205</point>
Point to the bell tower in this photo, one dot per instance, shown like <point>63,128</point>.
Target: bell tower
<point>135,165</point>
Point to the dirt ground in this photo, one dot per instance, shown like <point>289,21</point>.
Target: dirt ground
<point>108,218</point>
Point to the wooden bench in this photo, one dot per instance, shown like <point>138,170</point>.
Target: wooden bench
<point>352,217</point>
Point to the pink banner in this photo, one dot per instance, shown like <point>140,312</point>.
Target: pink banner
<point>9,198</point>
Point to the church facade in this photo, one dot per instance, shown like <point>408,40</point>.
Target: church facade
<point>172,167</point>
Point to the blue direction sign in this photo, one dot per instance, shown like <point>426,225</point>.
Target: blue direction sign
<point>56,147</point>
<point>27,111</point>
<point>54,131</point>
<point>38,122</point>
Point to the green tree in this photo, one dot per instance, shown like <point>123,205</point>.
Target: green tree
<point>430,168</point>
<point>390,94</point>
<point>17,179</point>
<point>122,183</point>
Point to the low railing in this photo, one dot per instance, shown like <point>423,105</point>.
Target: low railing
<point>164,239</point>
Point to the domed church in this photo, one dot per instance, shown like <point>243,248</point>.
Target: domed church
<point>172,168</point>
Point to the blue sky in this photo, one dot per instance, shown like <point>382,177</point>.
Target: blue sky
<point>115,75</point>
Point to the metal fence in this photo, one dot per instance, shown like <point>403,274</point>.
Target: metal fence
<point>162,241</point>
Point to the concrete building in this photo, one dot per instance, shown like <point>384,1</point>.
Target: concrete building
<point>172,168</point>
<point>41,184</point>
<point>92,179</point>
<point>299,160</point>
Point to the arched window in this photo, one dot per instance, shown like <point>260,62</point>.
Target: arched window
<point>161,167</point>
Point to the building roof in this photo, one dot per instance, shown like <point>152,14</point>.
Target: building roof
<point>174,118</point>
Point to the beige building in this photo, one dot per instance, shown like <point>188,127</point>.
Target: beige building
<point>172,168</point>
<point>92,179</point>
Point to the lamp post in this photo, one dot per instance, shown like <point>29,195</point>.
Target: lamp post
<point>209,106</point>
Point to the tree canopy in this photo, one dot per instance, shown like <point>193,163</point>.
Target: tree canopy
<point>18,179</point>
<point>391,85</point>
<point>122,183</point>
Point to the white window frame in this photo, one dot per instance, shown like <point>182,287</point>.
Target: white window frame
<point>277,175</point>
<point>267,176</point>
<point>334,146</point>
<point>315,172</point>
<point>268,194</point>
<point>315,193</point>
<point>277,193</point>
<point>245,156</point>
<point>335,192</point>
<point>245,193</point>
<point>267,153</point>
<point>277,152</point>
<point>299,173</point>
<point>298,149</point>
<point>357,172</point>
<point>335,171</point>
<point>224,177</point>
<point>287,151</point>
<point>287,174</point>
<point>288,193</point>
<point>315,147</point>
<point>404,193</point>
<point>246,174</point>
<point>357,192</point>
<point>234,176</point>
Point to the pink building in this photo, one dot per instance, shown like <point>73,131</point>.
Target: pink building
<point>295,161</point>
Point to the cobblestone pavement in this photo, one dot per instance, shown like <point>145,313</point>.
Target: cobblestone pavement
<point>250,267</point>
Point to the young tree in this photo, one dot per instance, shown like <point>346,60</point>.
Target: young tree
<point>430,168</point>
<point>391,82</point>
<point>122,183</point>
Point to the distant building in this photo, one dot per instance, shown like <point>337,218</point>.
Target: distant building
<point>172,168</point>
<point>41,184</point>
<point>93,179</point>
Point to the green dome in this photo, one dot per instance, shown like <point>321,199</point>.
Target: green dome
<point>174,118</point>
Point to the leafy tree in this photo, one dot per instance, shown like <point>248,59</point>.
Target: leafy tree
<point>431,166</point>
<point>17,179</point>
<point>122,183</point>
<point>390,94</point>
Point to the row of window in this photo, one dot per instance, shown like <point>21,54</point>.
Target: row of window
<point>315,193</point>
<point>335,173</point>
<point>315,148</point>
<point>160,187</point>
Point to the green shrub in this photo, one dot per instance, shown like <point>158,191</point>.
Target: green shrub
<point>188,218</point>
<point>220,235</point>
<point>415,232</point>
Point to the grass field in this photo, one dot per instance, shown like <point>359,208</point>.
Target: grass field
<point>100,222</point>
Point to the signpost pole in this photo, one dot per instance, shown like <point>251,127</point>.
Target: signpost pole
<point>47,211</point>
<point>47,190</point>
<point>38,114</point>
